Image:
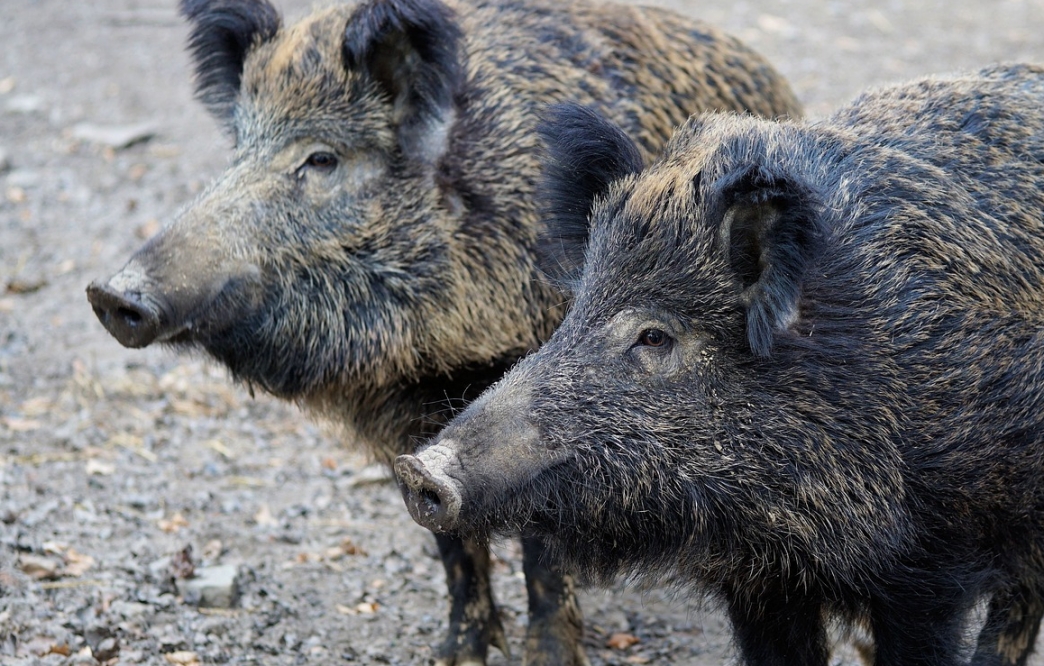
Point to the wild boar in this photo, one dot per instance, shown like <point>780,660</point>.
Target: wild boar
<point>803,368</point>
<point>369,253</point>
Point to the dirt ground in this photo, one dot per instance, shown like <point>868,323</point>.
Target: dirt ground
<point>112,462</point>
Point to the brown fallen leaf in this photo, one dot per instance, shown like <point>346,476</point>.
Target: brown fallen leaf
<point>181,564</point>
<point>622,641</point>
<point>62,649</point>
<point>40,646</point>
<point>148,229</point>
<point>23,286</point>
<point>38,567</point>
<point>15,424</point>
<point>182,658</point>
<point>96,467</point>
<point>76,563</point>
<point>264,517</point>
<point>173,524</point>
<point>36,407</point>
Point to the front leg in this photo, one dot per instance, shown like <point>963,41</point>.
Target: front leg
<point>473,623</point>
<point>778,627</point>
<point>555,623</point>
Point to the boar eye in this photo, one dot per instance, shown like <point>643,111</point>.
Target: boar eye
<point>653,337</point>
<point>321,160</point>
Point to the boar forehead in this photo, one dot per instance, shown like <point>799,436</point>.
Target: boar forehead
<point>650,248</point>
<point>296,85</point>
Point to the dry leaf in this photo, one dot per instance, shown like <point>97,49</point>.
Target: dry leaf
<point>638,659</point>
<point>213,549</point>
<point>16,195</point>
<point>40,646</point>
<point>77,563</point>
<point>264,517</point>
<point>99,468</point>
<point>181,564</point>
<point>20,286</point>
<point>150,228</point>
<point>218,446</point>
<point>40,568</point>
<point>62,649</point>
<point>346,547</point>
<point>622,641</point>
<point>15,424</point>
<point>36,406</point>
<point>173,524</point>
<point>182,658</point>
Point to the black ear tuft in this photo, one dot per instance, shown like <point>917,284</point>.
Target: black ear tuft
<point>411,49</point>
<point>771,228</point>
<point>222,33</point>
<point>585,153</point>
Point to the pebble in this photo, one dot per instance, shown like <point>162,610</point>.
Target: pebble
<point>114,136</point>
<point>212,587</point>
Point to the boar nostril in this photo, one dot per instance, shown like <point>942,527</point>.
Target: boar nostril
<point>128,317</point>
<point>431,498</point>
<point>433,501</point>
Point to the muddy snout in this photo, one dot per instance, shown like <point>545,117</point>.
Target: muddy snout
<point>133,318</point>
<point>432,497</point>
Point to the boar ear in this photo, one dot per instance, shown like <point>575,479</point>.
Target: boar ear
<point>770,226</point>
<point>410,48</point>
<point>222,33</point>
<point>585,153</point>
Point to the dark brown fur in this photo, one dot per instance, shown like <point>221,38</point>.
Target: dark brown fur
<point>804,367</point>
<point>370,252</point>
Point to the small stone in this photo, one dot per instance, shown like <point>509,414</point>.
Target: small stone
<point>25,104</point>
<point>115,137</point>
<point>212,587</point>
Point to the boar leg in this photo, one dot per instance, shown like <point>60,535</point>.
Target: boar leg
<point>778,627</point>
<point>919,626</point>
<point>555,623</point>
<point>1010,632</point>
<point>474,624</point>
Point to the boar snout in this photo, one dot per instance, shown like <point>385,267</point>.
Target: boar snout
<point>431,496</point>
<point>135,314</point>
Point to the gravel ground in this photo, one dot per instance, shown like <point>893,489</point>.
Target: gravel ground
<point>122,470</point>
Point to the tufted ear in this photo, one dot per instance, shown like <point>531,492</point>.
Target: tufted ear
<point>222,32</point>
<point>411,51</point>
<point>770,228</point>
<point>585,154</point>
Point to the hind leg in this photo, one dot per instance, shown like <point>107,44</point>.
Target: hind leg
<point>474,624</point>
<point>1010,632</point>
<point>555,623</point>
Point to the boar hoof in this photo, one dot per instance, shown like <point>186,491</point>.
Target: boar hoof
<point>433,502</point>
